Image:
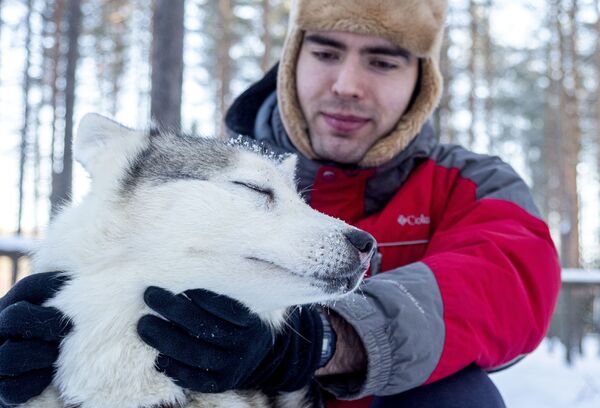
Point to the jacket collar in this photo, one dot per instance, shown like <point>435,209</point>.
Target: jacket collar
<point>240,117</point>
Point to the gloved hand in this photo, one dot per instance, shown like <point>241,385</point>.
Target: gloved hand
<point>211,343</point>
<point>29,337</point>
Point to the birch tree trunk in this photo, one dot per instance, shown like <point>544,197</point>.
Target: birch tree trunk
<point>25,126</point>
<point>167,63</point>
<point>37,176</point>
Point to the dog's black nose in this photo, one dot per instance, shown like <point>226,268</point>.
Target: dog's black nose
<point>360,240</point>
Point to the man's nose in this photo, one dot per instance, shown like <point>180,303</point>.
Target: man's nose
<point>349,81</point>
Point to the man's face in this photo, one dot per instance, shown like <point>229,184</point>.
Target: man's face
<point>353,89</point>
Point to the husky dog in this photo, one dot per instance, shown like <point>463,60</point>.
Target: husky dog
<point>179,212</point>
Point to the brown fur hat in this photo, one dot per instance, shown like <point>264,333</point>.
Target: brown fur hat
<point>416,25</point>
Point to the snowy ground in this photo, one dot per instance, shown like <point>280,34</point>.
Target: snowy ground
<point>543,380</point>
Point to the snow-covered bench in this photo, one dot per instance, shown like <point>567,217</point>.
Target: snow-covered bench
<point>15,248</point>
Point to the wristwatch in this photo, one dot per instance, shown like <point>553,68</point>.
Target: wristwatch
<point>329,339</point>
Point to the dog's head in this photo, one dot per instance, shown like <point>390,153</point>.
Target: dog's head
<point>191,212</point>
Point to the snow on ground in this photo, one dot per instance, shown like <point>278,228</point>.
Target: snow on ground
<point>544,380</point>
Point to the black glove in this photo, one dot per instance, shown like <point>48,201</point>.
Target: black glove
<point>212,343</point>
<point>29,337</point>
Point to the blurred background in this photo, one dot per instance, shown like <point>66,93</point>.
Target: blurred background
<point>522,82</point>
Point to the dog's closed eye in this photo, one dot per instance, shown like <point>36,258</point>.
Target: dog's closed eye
<point>261,190</point>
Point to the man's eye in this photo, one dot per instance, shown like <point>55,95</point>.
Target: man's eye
<point>324,55</point>
<point>384,65</point>
<point>261,190</point>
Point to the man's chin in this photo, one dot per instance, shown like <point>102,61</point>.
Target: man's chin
<point>338,154</point>
<point>340,157</point>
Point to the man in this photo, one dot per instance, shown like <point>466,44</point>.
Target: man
<point>471,274</point>
<point>467,275</point>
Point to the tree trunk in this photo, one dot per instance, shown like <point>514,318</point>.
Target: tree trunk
<point>112,42</point>
<point>489,72</point>
<point>552,141</point>
<point>142,61</point>
<point>224,63</point>
<point>266,37</point>
<point>37,159</point>
<point>25,126</point>
<point>597,6</point>
<point>444,114</point>
<point>1,36</point>
<point>117,71</point>
<point>574,140</point>
<point>571,138</point>
<point>55,95</point>
<point>472,69</point>
<point>62,181</point>
<point>167,63</point>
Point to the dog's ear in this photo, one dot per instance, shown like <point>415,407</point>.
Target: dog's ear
<point>100,141</point>
<point>288,167</point>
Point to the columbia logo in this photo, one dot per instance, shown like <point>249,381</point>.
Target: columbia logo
<point>413,220</point>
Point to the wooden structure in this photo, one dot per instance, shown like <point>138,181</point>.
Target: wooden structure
<point>578,310</point>
<point>15,248</point>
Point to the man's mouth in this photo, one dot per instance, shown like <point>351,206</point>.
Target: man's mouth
<point>344,123</point>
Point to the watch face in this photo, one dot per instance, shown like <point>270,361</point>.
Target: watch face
<point>329,338</point>
<point>326,345</point>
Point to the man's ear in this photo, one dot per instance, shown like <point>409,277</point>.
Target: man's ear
<point>101,141</point>
<point>288,167</point>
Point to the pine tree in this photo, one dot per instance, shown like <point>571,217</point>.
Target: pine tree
<point>571,136</point>
<point>111,36</point>
<point>53,26</point>
<point>167,62</point>
<point>444,114</point>
<point>62,176</point>
<point>489,74</point>
<point>473,70</point>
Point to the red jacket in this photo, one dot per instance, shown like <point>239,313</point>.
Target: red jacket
<point>494,263</point>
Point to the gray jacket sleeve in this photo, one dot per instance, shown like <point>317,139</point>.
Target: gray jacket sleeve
<point>398,316</point>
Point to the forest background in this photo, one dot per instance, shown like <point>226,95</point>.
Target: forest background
<point>521,82</point>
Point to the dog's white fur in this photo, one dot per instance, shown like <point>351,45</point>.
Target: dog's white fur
<point>177,234</point>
